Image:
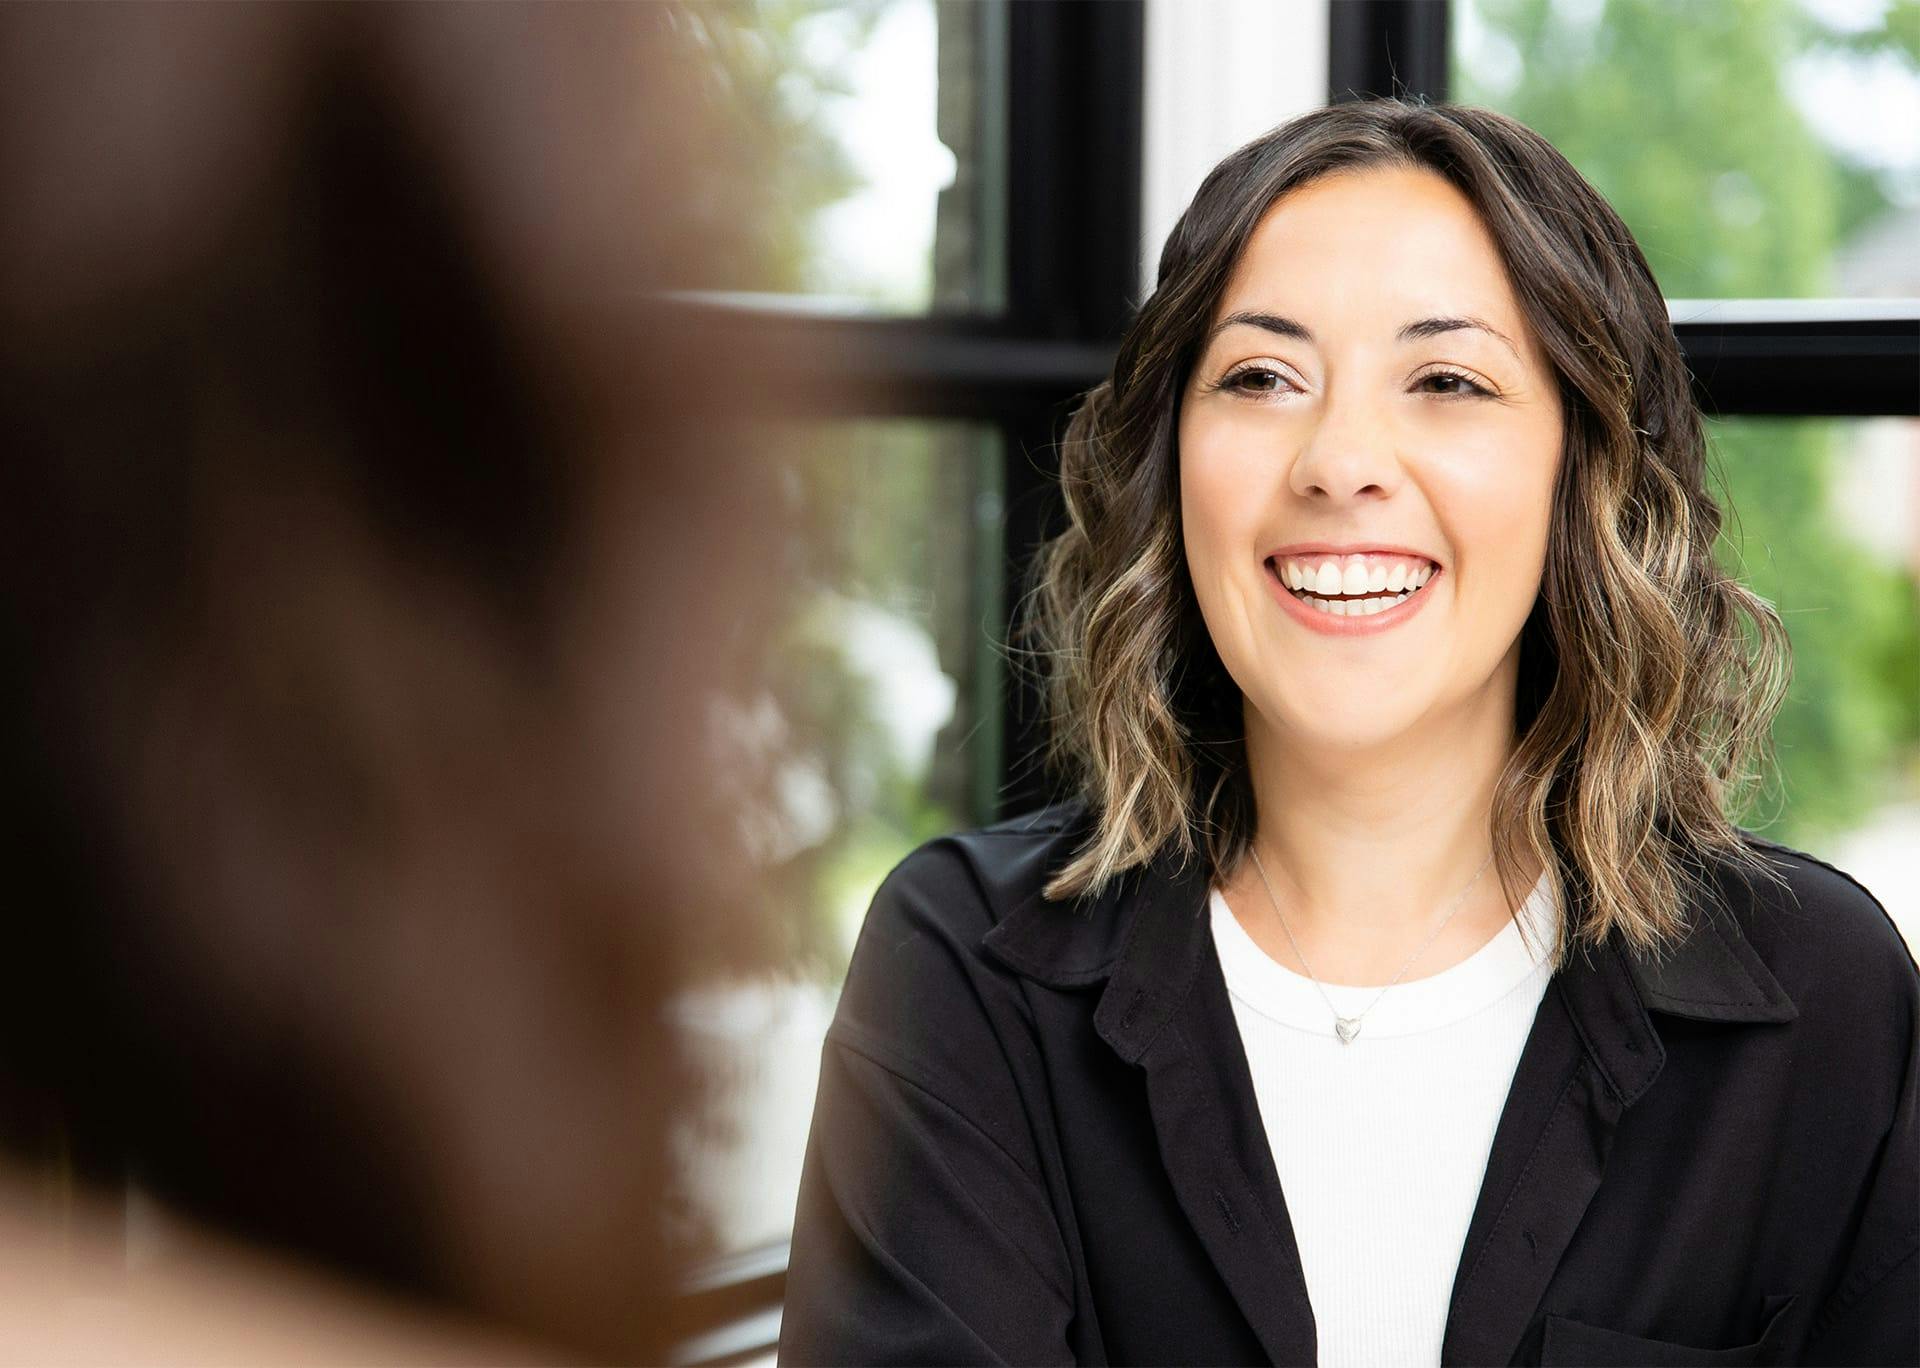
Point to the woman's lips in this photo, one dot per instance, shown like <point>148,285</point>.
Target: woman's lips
<point>1329,625</point>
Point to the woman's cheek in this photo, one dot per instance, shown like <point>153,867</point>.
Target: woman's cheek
<point>1213,502</point>
<point>1236,458</point>
<point>1487,488</point>
<point>1208,476</point>
<point>1496,500</point>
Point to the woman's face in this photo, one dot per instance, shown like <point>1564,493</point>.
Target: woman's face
<point>1370,400</point>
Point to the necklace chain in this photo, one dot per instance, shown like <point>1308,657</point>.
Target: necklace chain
<point>1348,1027</point>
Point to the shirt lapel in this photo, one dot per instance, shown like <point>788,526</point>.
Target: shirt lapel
<point>1165,1010</point>
<point>1590,1053</point>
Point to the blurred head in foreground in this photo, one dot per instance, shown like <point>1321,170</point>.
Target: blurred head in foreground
<point>367,555</point>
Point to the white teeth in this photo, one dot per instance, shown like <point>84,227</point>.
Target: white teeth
<point>1366,607</point>
<point>1354,575</point>
<point>1384,583</point>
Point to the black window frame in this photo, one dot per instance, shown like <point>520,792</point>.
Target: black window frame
<point>1076,94</point>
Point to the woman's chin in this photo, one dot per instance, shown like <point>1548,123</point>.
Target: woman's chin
<point>1352,727</point>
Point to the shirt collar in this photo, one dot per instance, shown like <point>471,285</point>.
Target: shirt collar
<point>1144,935</point>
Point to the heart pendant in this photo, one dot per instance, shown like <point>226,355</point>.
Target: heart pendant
<point>1346,1028</point>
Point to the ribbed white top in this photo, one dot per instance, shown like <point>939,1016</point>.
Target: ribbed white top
<point>1381,1143</point>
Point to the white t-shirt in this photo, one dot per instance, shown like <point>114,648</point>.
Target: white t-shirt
<point>1381,1143</point>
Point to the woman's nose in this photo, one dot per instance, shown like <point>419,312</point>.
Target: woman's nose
<point>1349,449</point>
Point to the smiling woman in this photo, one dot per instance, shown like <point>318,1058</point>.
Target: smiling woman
<point>1438,431</point>
<point>1370,332</point>
<point>1389,561</point>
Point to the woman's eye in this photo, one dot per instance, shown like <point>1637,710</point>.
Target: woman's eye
<point>1453,384</point>
<point>1254,380</point>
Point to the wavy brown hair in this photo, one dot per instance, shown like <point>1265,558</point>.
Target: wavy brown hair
<point>1642,704</point>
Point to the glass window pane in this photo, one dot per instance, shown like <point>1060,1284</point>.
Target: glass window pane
<point>865,150</point>
<point>1759,148</point>
<point>1826,526</point>
<point>1218,74</point>
<point>883,704</point>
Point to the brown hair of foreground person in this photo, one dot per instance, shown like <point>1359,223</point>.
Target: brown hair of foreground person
<point>1644,702</point>
<point>366,561</point>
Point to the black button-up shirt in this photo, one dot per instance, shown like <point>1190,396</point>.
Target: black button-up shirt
<point>1036,1138</point>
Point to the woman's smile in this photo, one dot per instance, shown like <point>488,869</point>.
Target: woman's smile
<point>1352,615</point>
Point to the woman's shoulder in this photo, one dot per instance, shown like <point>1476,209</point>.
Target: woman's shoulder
<point>1818,913</point>
<point>1830,942</point>
<point>967,881</point>
<point>921,998</point>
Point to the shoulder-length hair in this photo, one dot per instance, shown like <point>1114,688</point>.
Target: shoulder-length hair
<point>1641,702</point>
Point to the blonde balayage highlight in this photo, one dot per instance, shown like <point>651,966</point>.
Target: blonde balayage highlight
<point>1644,707</point>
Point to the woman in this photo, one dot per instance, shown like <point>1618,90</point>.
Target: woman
<point>1394,987</point>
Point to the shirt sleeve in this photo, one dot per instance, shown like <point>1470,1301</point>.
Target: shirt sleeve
<point>1873,1315</point>
<point>923,1233</point>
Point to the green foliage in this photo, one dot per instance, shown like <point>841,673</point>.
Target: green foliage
<point>766,76</point>
<point>879,525</point>
<point>1679,115</point>
<point>866,506</point>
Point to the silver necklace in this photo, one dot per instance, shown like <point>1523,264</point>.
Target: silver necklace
<point>1349,1027</point>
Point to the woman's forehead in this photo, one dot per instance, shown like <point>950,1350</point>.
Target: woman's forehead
<point>1372,244</point>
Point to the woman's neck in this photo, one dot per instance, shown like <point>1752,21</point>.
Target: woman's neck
<point>1367,852</point>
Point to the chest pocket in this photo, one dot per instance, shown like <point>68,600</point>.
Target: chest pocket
<point>1569,1341</point>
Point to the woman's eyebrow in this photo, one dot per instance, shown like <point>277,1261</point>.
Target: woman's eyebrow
<point>1283,326</point>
